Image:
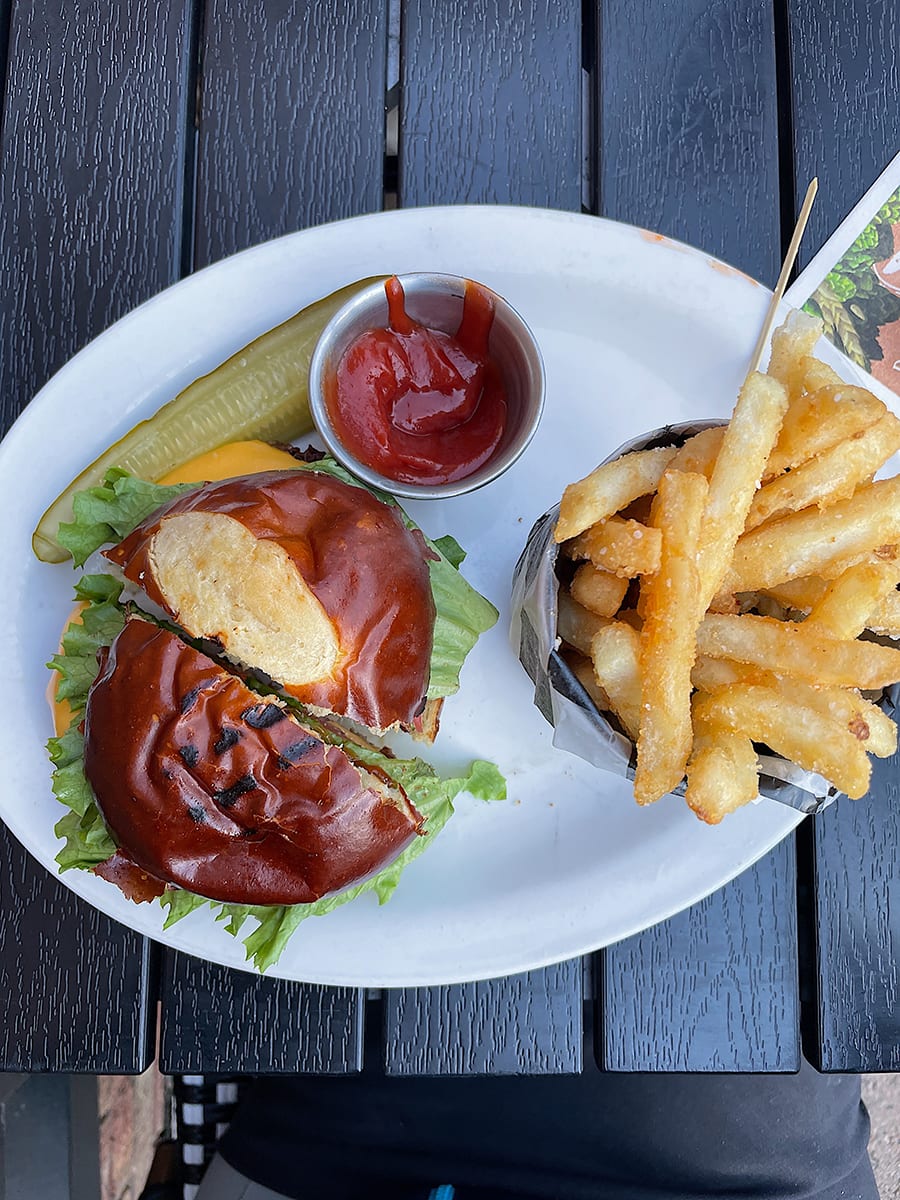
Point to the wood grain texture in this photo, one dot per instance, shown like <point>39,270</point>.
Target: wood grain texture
<point>528,1024</point>
<point>77,987</point>
<point>857,923</point>
<point>685,96</point>
<point>845,76</point>
<point>91,149</point>
<point>490,103</point>
<point>291,126</point>
<point>90,182</point>
<point>217,1020</point>
<point>845,79</point>
<point>712,989</point>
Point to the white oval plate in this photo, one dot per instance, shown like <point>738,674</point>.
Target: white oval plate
<point>636,331</point>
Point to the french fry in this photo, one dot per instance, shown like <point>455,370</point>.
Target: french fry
<point>698,454</point>
<point>803,735</point>
<point>792,649</point>
<point>831,476</point>
<point>816,422</point>
<point>624,548</point>
<point>600,591</point>
<point>861,717</point>
<point>575,624</point>
<point>583,670</point>
<point>714,546</point>
<point>722,772</point>
<point>615,653</point>
<point>800,594</point>
<point>815,374</point>
<point>668,638</point>
<point>803,594</point>
<point>792,344</point>
<point>885,619</point>
<point>886,552</point>
<point>848,603</point>
<point>746,446</point>
<point>817,543</point>
<point>630,616</point>
<point>710,674</point>
<point>608,490</point>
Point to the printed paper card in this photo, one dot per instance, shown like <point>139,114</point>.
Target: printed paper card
<point>853,284</point>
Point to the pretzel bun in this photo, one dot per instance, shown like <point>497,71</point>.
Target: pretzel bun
<point>308,579</point>
<point>206,785</point>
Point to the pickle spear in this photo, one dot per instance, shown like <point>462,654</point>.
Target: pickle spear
<point>260,392</point>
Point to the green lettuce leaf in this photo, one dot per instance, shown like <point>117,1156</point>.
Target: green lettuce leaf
<point>97,626</point>
<point>109,512</point>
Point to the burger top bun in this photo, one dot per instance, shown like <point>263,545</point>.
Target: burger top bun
<point>299,575</point>
<point>206,785</point>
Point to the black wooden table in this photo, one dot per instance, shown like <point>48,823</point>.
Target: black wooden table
<point>141,140</point>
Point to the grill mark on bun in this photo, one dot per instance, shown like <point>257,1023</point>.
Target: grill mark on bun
<point>263,716</point>
<point>227,739</point>
<point>293,753</point>
<point>189,755</point>
<point>229,796</point>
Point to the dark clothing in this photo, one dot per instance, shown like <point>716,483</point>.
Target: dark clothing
<point>615,1137</point>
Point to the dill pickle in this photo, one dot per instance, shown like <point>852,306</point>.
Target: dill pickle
<point>260,392</point>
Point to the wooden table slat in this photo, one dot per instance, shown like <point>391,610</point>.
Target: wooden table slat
<point>530,1024</point>
<point>713,988</point>
<point>845,66</point>
<point>857,928</point>
<point>490,103</point>
<point>845,81</point>
<point>687,125</point>
<point>93,146</point>
<point>78,989</point>
<point>92,149</point>
<point>291,120</point>
<point>216,1019</point>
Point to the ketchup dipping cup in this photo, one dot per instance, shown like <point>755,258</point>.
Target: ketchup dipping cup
<point>436,302</point>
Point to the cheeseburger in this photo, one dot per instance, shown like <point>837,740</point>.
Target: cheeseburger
<point>222,735</point>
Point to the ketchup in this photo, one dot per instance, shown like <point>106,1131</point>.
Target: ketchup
<point>416,404</point>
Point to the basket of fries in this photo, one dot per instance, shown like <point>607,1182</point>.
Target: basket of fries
<point>712,611</point>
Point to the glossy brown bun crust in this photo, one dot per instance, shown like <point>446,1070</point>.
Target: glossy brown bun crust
<point>205,785</point>
<point>366,570</point>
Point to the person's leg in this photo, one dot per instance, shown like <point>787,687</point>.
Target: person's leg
<point>625,1137</point>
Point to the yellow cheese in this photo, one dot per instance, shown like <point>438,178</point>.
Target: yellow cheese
<point>231,460</point>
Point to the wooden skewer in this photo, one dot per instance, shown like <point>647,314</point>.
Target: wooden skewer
<point>786,267</point>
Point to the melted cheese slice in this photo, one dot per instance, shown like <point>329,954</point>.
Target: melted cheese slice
<point>230,461</point>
